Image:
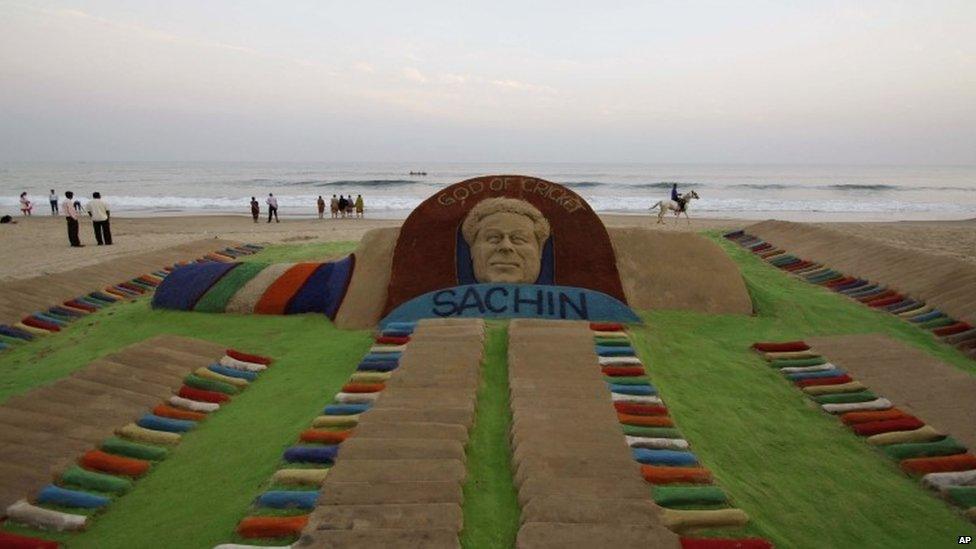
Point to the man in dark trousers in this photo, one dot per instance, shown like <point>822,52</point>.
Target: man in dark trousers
<point>272,207</point>
<point>98,211</point>
<point>71,214</point>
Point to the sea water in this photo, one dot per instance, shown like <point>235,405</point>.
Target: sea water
<point>795,192</point>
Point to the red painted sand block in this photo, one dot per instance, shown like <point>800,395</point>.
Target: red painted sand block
<point>13,541</point>
<point>725,543</point>
<point>97,460</point>
<point>839,281</point>
<point>116,293</point>
<point>921,466</point>
<point>40,324</point>
<point>956,328</point>
<point>275,299</point>
<point>390,340</point>
<point>886,301</point>
<point>836,380</point>
<point>792,267</point>
<point>656,474</point>
<point>363,387</point>
<point>623,371</point>
<point>907,423</point>
<point>165,410</point>
<point>324,437</point>
<point>272,527</point>
<point>149,280</point>
<point>853,418</point>
<point>133,287</point>
<point>606,326</point>
<point>781,347</point>
<point>200,395</point>
<point>645,421</point>
<point>632,409</point>
<point>247,357</point>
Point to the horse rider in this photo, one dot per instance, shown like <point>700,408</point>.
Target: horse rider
<point>680,199</point>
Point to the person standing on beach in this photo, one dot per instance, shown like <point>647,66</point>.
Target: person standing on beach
<point>25,204</point>
<point>53,199</point>
<point>71,215</point>
<point>334,207</point>
<point>98,211</point>
<point>349,205</point>
<point>342,206</point>
<point>359,205</point>
<point>321,206</point>
<point>272,207</point>
<point>255,209</point>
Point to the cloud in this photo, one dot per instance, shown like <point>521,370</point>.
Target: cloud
<point>522,86</point>
<point>411,73</point>
<point>362,66</point>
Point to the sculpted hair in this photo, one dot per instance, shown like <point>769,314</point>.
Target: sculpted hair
<point>489,206</point>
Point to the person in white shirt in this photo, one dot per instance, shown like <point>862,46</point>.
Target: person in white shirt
<point>71,214</point>
<point>272,207</point>
<point>98,211</point>
<point>53,199</point>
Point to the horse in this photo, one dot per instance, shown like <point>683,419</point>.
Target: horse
<point>670,205</point>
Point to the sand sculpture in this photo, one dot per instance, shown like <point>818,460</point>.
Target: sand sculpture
<point>506,237</point>
<point>493,246</point>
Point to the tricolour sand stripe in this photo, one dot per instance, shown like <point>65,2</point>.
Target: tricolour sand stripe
<point>186,285</point>
<point>216,298</point>
<point>247,297</point>
<point>274,300</point>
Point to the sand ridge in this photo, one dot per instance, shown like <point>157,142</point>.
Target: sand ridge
<point>43,430</point>
<point>942,281</point>
<point>912,379</point>
<point>27,295</point>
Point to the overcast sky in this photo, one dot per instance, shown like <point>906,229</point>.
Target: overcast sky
<point>515,81</point>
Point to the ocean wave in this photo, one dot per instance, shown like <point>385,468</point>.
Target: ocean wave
<point>584,184</point>
<point>862,187</point>
<point>666,185</point>
<point>370,183</point>
<point>762,186</point>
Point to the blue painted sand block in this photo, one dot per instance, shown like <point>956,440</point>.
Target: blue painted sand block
<point>345,409</point>
<point>158,423</point>
<point>55,495</point>
<point>288,499</point>
<point>664,457</point>
<point>311,454</point>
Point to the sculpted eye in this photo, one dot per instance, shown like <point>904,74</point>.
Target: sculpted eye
<point>518,240</point>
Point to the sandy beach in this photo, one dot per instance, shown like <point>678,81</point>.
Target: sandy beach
<point>38,245</point>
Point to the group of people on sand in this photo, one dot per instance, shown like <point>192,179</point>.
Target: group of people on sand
<point>96,208</point>
<point>340,206</point>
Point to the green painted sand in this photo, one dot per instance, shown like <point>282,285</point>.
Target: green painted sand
<point>491,511</point>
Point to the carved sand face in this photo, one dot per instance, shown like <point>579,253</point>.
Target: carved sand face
<point>506,250</point>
